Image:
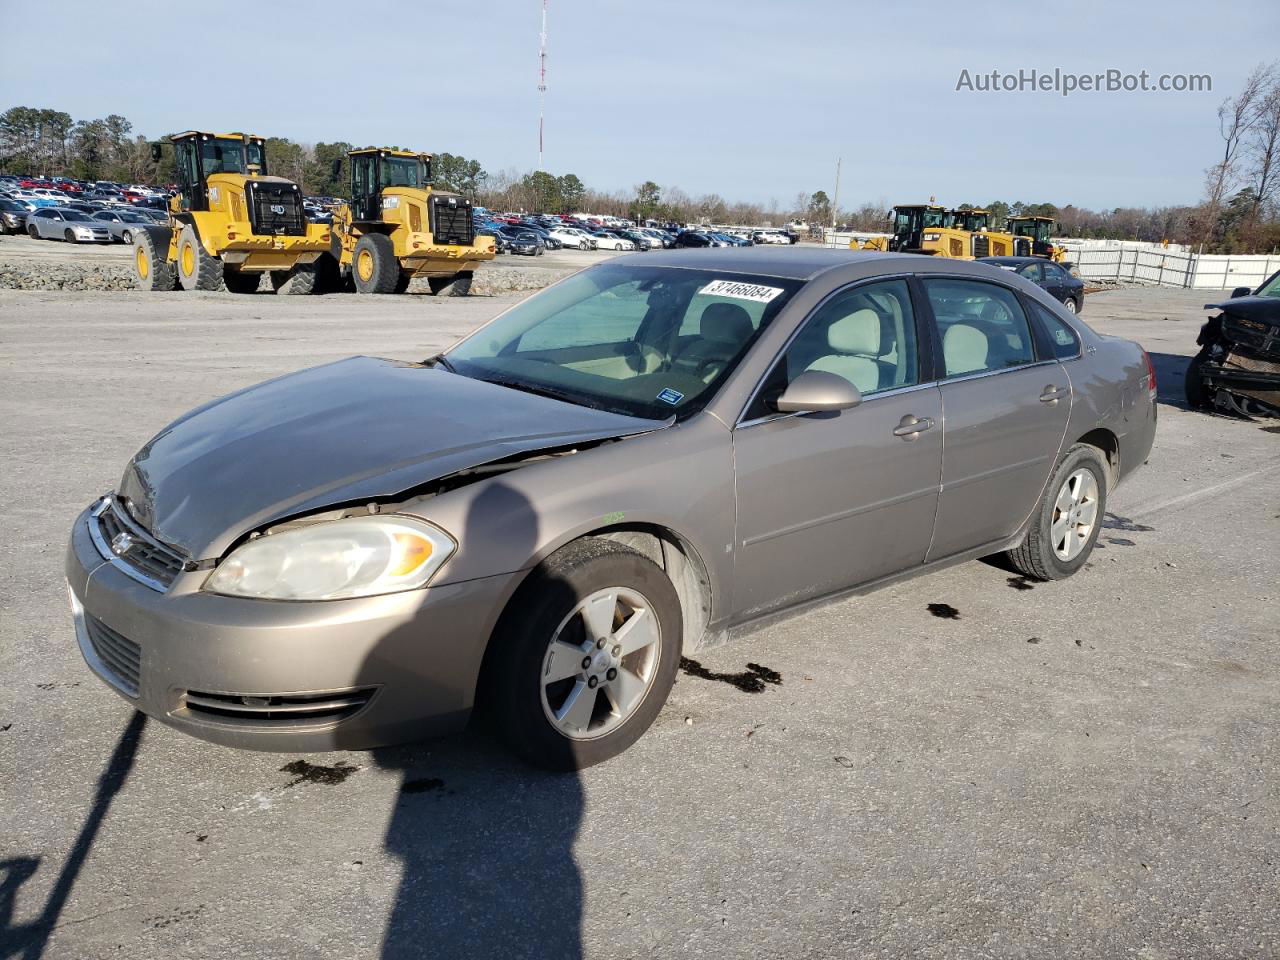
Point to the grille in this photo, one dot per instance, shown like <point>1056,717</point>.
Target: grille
<point>118,656</point>
<point>277,709</point>
<point>451,220</point>
<point>275,208</point>
<point>144,558</point>
<point>981,245</point>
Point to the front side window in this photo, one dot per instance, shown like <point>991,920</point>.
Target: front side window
<point>1271,288</point>
<point>646,341</point>
<point>1033,272</point>
<point>981,325</point>
<point>866,334</point>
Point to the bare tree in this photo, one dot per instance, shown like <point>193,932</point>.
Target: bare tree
<point>1236,118</point>
<point>1264,153</point>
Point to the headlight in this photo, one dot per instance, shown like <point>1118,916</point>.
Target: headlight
<point>333,559</point>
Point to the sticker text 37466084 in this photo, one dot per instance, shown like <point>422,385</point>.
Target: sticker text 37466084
<point>740,291</point>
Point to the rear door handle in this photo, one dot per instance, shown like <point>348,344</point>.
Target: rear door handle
<point>1052,394</point>
<point>909,427</point>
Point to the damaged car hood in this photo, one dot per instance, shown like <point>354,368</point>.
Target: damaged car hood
<point>362,428</point>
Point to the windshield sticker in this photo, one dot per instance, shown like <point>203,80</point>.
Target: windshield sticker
<point>667,395</point>
<point>740,291</point>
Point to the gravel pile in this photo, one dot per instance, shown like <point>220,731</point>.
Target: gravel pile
<point>489,281</point>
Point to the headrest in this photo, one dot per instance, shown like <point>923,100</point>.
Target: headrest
<point>859,333</point>
<point>726,323</point>
<point>964,348</point>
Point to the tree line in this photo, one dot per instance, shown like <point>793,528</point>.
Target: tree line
<point>1239,213</point>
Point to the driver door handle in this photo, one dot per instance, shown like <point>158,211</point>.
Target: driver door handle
<point>1052,394</point>
<point>909,427</point>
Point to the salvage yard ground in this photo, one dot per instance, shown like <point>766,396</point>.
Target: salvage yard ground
<point>969,765</point>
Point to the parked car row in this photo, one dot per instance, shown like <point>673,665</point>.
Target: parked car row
<point>71,202</point>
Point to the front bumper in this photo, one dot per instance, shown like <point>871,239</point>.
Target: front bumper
<point>278,675</point>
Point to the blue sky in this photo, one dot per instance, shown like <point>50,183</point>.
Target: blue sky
<point>752,99</point>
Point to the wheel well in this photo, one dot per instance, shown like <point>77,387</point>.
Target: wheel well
<point>1107,442</point>
<point>687,572</point>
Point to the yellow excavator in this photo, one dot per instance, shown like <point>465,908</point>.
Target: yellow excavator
<point>1031,238</point>
<point>229,223</point>
<point>397,227</point>
<point>936,231</point>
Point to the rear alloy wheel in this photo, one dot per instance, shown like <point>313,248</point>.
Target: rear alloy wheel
<point>197,268</point>
<point>241,281</point>
<point>127,236</point>
<point>151,268</point>
<point>586,655</point>
<point>459,285</point>
<point>374,264</point>
<point>1068,518</point>
<point>298,281</point>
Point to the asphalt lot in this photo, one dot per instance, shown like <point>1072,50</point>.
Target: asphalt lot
<point>1080,769</point>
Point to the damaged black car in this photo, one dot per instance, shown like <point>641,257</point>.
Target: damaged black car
<point>1238,367</point>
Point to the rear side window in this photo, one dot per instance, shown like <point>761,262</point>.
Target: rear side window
<point>981,325</point>
<point>1065,343</point>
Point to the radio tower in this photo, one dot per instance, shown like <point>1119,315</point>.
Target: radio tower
<point>542,77</point>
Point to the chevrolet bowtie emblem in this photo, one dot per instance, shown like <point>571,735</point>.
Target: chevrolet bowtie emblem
<point>122,543</point>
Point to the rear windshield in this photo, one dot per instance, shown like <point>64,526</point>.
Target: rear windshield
<point>645,341</point>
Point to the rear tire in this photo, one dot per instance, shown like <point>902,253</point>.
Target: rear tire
<point>197,269</point>
<point>459,285</point>
<point>151,268</point>
<point>240,281</point>
<point>1068,518</point>
<point>299,281</point>
<point>374,264</point>
<point>126,236</point>
<point>546,611</point>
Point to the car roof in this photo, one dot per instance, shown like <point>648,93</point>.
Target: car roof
<point>1012,261</point>
<point>799,263</point>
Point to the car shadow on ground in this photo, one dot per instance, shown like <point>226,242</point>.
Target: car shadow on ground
<point>28,941</point>
<point>485,841</point>
<point>1171,370</point>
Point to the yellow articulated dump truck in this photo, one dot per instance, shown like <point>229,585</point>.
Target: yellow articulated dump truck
<point>397,227</point>
<point>229,223</point>
<point>936,231</point>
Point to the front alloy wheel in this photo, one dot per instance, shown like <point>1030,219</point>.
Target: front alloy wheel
<point>585,655</point>
<point>600,663</point>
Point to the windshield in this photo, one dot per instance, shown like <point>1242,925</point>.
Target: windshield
<point>1271,288</point>
<point>645,341</point>
<point>222,155</point>
<point>401,172</point>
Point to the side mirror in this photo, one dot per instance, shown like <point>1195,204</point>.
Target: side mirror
<point>155,152</point>
<point>816,391</point>
<point>1241,292</point>
<point>335,170</point>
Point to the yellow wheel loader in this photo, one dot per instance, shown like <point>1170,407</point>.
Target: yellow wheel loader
<point>229,223</point>
<point>397,227</point>
<point>936,231</point>
<point>1031,238</point>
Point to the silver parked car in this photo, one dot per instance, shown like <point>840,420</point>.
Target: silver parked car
<point>63,223</point>
<point>630,465</point>
<point>122,224</point>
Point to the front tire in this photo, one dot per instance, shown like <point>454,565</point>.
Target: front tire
<point>33,232</point>
<point>1071,305</point>
<point>1068,518</point>
<point>374,264</point>
<point>585,655</point>
<point>69,236</point>
<point>197,269</point>
<point>151,268</point>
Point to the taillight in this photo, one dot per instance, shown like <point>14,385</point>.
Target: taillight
<point>1151,377</point>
